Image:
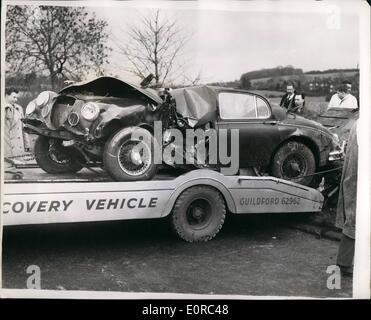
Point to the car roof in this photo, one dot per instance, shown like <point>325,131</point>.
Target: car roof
<point>199,103</point>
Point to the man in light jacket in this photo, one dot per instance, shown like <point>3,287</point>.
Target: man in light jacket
<point>16,142</point>
<point>343,98</point>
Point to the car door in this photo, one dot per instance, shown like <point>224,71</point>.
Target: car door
<point>258,130</point>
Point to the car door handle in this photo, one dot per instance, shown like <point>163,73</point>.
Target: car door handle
<point>272,123</point>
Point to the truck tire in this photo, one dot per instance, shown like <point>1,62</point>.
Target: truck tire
<point>294,161</point>
<point>54,158</point>
<point>198,214</point>
<point>124,162</point>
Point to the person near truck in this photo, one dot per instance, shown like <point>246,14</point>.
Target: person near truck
<point>299,103</point>
<point>16,142</point>
<point>288,99</point>
<point>343,98</point>
<point>347,205</point>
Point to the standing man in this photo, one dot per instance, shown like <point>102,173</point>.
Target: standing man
<point>347,205</point>
<point>287,100</point>
<point>343,98</point>
<point>16,142</point>
<point>299,103</point>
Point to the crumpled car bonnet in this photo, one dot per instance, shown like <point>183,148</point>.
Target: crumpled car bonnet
<point>112,87</point>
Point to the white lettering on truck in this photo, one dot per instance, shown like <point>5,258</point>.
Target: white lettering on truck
<point>36,206</point>
<point>116,204</point>
<point>91,205</point>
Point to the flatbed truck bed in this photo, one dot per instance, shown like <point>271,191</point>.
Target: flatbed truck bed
<point>197,200</point>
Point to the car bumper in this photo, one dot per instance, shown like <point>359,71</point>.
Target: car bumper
<point>28,128</point>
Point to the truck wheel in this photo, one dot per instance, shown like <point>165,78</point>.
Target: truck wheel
<point>293,161</point>
<point>52,157</point>
<point>198,214</point>
<point>126,159</point>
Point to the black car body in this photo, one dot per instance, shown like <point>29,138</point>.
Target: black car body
<point>89,122</point>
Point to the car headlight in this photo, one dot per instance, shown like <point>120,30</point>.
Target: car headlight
<point>42,99</point>
<point>90,111</point>
<point>45,110</point>
<point>31,107</point>
<point>73,119</point>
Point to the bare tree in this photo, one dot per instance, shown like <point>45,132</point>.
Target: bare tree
<point>192,81</point>
<point>61,41</point>
<point>155,46</point>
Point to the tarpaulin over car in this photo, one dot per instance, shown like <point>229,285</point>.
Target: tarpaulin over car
<point>109,86</point>
<point>196,104</point>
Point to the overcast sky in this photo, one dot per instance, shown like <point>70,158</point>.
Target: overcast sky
<point>225,44</point>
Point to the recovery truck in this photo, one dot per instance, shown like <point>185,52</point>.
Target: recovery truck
<point>197,201</point>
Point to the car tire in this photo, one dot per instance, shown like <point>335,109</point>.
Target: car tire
<point>118,161</point>
<point>294,161</point>
<point>48,160</point>
<point>198,214</point>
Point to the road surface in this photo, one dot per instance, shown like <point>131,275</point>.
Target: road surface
<point>252,255</point>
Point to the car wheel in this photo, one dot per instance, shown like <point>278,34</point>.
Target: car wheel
<point>128,159</point>
<point>198,214</point>
<point>52,157</point>
<point>294,161</point>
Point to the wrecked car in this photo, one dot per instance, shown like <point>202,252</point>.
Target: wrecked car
<point>91,123</point>
<point>339,121</point>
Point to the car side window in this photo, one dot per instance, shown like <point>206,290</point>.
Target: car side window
<point>237,105</point>
<point>262,107</point>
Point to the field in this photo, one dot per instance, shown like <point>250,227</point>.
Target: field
<point>313,105</point>
<point>309,76</point>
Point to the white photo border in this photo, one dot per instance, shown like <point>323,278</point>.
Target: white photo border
<point>361,278</point>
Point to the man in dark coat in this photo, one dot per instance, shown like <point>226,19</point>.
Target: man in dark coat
<point>347,205</point>
<point>288,99</point>
<point>298,105</point>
